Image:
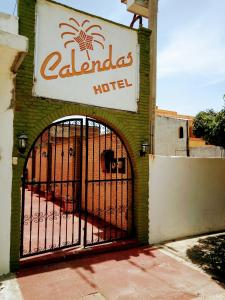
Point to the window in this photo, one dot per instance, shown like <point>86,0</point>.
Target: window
<point>181,132</point>
<point>107,158</point>
<point>111,164</point>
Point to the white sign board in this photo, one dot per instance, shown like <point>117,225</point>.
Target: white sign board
<point>84,59</point>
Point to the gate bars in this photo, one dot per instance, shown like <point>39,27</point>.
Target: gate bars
<point>108,186</point>
<point>77,175</point>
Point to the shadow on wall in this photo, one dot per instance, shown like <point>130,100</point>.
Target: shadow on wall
<point>209,254</point>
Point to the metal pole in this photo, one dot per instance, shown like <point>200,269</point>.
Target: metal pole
<point>153,11</point>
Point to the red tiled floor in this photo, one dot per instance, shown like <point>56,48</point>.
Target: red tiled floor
<point>50,227</point>
<point>140,273</point>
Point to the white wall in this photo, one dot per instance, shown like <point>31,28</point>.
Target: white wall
<point>8,23</point>
<point>167,141</point>
<point>207,151</point>
<point>10,46</point>
<point>6,143</point>
<point>187,197</point>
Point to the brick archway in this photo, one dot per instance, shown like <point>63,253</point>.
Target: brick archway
<point>77,177</point>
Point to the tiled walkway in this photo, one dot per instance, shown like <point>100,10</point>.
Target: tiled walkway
<point>47,226</point>
<point>140,273</point>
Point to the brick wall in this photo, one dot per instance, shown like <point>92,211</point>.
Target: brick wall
<point>33,115</point>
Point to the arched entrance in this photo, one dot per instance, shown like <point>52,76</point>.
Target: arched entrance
<point>77,188</point>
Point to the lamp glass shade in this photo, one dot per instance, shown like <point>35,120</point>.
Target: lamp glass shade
<point>22,142</point>
<point>145,147</point>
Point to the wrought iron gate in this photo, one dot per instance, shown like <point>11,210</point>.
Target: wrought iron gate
<point>77,188</point>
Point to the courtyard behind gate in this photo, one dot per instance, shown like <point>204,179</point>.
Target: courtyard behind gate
<point>77,188</point>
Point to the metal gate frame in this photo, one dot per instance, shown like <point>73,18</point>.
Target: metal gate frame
<point>85,124</point>
<point>87,182</point>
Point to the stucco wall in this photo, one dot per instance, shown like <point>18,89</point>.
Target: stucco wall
<point>8,23</point>
<point>207,151</point>
<point>167,141</point>
<point>10,45</point>
<point>187,197</point>
<point>6,143</point>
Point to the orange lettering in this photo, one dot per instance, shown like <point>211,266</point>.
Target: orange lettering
<point>113,84</point>
<point>129,55</point>
<point>97,89</point>
<point>107,64</point>
<point>98,64</point>
<point>105,87</point>
<point>127,83</point>
<point>53,60</point>
<point>52,67</point>
<point>120,84</point>
<point>85,68</point>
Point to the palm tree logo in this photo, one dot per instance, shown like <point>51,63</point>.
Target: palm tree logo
<point>83,34</point>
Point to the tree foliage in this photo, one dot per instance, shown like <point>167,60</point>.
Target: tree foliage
<point>210,126</point>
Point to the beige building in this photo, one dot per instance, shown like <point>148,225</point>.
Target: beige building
<point>174,137</point>
<point>13,47</point>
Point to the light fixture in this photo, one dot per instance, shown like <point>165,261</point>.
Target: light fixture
<point>144,148</point>
<point>22,139</point>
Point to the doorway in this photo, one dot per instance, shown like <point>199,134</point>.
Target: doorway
<point>77,188</point>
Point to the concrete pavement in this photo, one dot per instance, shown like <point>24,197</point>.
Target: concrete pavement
<point>138,273</point>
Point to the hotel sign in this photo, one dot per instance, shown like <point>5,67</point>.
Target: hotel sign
<point>84,59</point>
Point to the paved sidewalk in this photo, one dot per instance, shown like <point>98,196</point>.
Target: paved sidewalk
<point>140,273</point>
<point>9,288</point>
<point>180,247</point>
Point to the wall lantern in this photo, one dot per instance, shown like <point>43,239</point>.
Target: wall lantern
<point>22,142</point>
<point>144,148</point>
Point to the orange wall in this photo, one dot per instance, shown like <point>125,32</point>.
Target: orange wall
<point>103,198</point>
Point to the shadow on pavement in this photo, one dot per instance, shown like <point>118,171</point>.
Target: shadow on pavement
<point>209,254</point>
<point>88,262</point>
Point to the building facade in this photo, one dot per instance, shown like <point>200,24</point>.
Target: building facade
<point>174,137</point>
<point>55,81</point>
<point>13,48</point>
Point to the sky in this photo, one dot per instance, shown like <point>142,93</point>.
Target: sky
<point>191,49</point>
